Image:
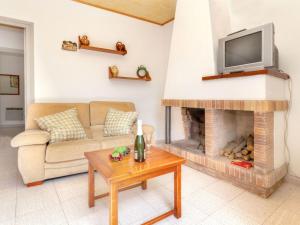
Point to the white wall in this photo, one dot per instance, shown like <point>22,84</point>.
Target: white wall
<point>63,76</point>
<point>220,20</point>
<point>285,16</point>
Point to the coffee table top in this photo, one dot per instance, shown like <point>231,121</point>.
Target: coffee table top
<point>127,168</point>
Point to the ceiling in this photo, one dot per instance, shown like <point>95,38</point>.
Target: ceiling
<point>154,11</point>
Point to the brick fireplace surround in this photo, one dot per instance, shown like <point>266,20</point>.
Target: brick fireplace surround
<point>265,176</point>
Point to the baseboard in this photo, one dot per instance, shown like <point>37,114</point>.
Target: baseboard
<point>293,179</point>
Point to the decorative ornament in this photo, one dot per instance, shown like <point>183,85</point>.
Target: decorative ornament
<point>114,71</point>
<point>69,46</point>
<point>119,153</point>
<point>142,72</point>
<point>84,40</point>
<point>121,47</point>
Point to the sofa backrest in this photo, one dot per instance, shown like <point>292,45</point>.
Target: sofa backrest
<point>37,110</point>
<point>98,110</point>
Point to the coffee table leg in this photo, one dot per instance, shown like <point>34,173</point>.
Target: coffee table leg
<point>91,186</point>
<point>177,192</point>
<point>113,204</point>
<point>144,184</point>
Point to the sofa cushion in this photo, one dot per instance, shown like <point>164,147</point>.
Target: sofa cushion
<point>70,150</point>
<point>110,142</point>
<point>115,141</point>
<point>99,109</point>
<point>62,126</point>
<point>38,110</point>
<point>118,122</point>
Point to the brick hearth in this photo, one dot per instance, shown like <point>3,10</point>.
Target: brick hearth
<point>220,167</point>
<point>225,120</point>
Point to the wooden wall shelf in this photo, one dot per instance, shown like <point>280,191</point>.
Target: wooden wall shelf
<point>271,72</point>
<point>110,75</point>
<point>98,49</point>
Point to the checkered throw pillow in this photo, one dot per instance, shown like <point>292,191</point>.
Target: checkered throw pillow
<point>62,126</point>
<point>118,122</point>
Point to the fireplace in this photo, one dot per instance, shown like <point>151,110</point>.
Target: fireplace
<point>210,125</point>
<point>194,130</point>
<point>234,130</point>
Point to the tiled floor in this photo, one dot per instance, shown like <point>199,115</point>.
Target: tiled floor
<point>206,201</point>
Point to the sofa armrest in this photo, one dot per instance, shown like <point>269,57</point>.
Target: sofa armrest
<point>30,137</point>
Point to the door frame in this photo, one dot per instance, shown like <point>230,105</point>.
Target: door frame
<point>28,58</point>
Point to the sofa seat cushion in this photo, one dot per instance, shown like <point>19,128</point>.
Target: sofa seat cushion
<point>115,141</point>
<point>110,142</point>
<point>70,150</point>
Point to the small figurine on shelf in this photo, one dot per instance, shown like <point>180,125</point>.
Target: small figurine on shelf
<point>121,47</point>
<point>114,71</point>
<point>143,73</point>
<point>69,46</point>
<point>84,40</point>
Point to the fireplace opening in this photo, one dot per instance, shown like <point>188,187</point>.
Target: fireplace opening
<point>194,130</point>
<point>237,135</point>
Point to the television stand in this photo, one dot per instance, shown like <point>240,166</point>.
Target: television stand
<point>263,72</point>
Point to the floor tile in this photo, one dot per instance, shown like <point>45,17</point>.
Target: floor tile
<point>230,216</point>
<point>160,198</point>
<point>49,216</point>
<point>206,202</point>
<point>77,208</point>
<point>36,198</point>
<point>224,190</point>
<point>135,208</point>
<point>211,221</point>
<point>7,206</point>
<point>71,186</point>
<point>190,215</point>
<point>283,217</point>
<point>166,179</point>
<point>285,191</point>
<point>292,204</point>
<point>97,218</point>
<point>8,222</point>
<point>8,180</point>
<point>77,185</point>
<point>254,206</point>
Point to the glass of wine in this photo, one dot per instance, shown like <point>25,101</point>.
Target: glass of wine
<point>148,139</point>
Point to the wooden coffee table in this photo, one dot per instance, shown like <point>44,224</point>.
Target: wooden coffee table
<point>127,174</point>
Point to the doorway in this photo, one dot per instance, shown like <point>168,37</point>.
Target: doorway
<point>16,74</point>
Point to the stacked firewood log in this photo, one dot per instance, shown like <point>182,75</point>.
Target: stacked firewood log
<point>242,149</point>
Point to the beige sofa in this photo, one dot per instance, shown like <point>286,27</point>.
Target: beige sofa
<point>38,160</point>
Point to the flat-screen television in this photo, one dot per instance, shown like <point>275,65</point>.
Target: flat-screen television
<point>248,50</point>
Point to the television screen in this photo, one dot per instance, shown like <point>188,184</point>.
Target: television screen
<point>244,50</point>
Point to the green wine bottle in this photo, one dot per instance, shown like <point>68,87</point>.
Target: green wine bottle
<point>139,144</point>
